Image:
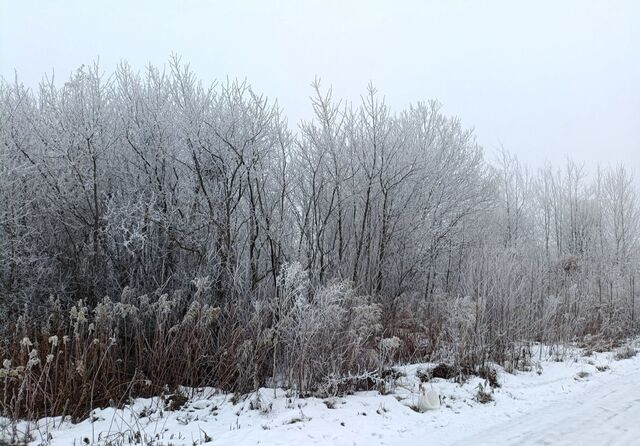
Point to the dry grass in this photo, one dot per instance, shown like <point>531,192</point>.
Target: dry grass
<point>67,360</point>
<point>78,359</point>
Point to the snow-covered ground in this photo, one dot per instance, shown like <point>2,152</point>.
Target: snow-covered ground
<point>582,400</point>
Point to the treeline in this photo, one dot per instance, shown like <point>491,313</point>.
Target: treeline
<point>152,221</point>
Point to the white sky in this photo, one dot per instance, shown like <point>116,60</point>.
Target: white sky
<point>547,79</point>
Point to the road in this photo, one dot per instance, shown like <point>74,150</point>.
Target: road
<point>606,415</point>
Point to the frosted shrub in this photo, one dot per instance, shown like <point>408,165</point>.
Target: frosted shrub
<point>310,333</point>
<point>461,316</point>
<point>387,348</point>
<point>321,332</point>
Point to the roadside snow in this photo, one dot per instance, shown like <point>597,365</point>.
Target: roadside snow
<point>583,400</point>
<point>606,411</point>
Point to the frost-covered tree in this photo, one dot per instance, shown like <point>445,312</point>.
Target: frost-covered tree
<point>304,256</point>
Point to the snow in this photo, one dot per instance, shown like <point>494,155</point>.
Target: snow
<point>603,411</point>
<point>582,400</point>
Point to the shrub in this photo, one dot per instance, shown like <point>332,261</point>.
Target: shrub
<point>483,395</point>
<point>625,352</point>
<point>444,371</point>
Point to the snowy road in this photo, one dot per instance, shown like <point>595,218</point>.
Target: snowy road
<point>606,415</point>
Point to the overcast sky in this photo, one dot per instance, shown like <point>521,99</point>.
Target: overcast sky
<point>546,79</point>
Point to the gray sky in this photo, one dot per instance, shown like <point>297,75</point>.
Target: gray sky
<point>547,79</point>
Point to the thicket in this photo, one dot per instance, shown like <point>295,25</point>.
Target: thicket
<point>155,232</point>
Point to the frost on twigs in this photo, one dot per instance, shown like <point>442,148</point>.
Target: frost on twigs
<point>154,229</point>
